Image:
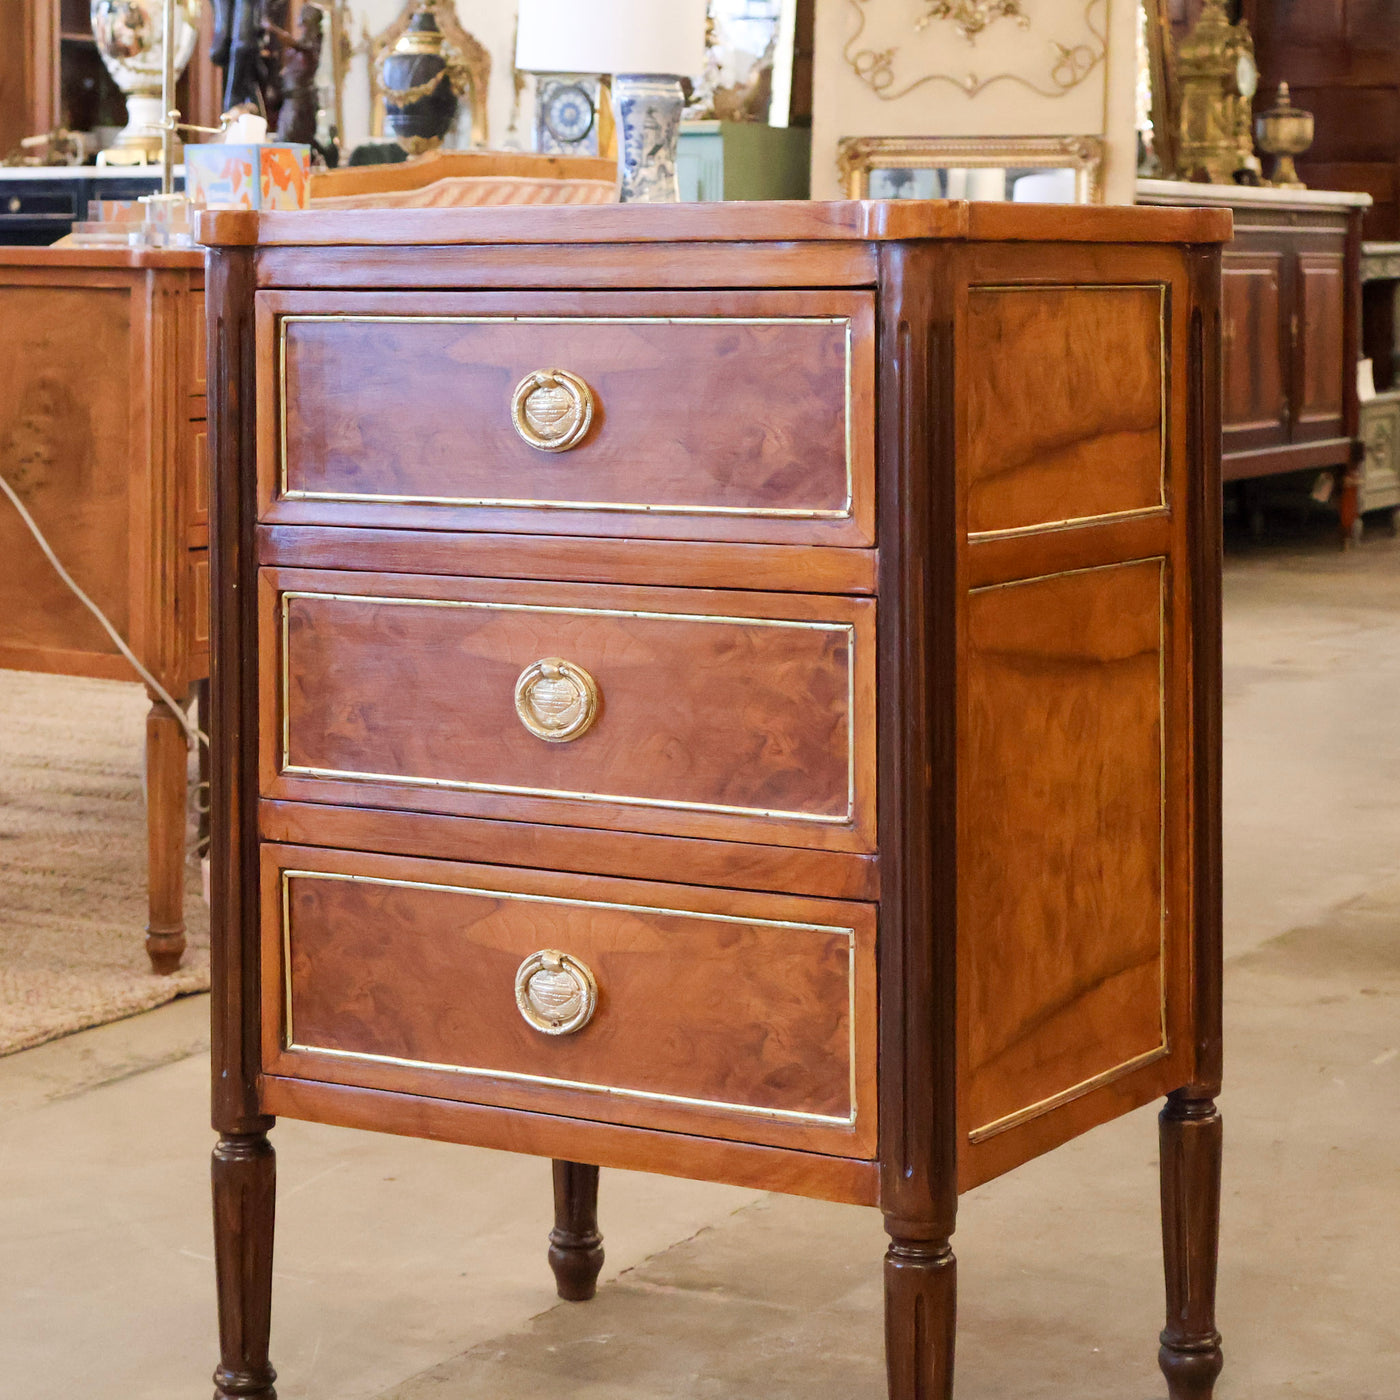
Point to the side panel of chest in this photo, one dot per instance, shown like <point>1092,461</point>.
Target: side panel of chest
<point>1074,721</point>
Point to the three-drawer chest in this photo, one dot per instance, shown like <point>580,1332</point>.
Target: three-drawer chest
<point>729,691</point>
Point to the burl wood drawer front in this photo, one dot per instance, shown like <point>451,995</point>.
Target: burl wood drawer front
<point>1066,405</point>
<point>739,1016</point>
<point>681,711</point>
<point>743,416</point>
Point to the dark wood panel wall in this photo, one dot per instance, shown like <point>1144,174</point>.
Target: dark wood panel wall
<point>1341,59</point>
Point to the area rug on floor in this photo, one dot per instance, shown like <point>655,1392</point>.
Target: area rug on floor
<point>73,862</point>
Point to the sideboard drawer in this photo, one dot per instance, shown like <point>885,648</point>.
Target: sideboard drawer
<point>740,416</point>
<point>689,712</point>
<point>741,1016</point>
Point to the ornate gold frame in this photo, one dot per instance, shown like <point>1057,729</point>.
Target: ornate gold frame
<point>857,156</point>
<point>470,53</point>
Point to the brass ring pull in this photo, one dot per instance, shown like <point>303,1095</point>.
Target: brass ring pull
<point>556,994</point>
<point>556,700</point>
<point>552,410</point>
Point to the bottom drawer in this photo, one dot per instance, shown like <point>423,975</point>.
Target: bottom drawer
<point>724,1014</point>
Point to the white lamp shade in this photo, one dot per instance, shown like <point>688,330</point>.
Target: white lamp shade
<point>612,36</point>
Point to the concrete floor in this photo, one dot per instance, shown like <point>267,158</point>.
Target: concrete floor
<point>409,1270</point>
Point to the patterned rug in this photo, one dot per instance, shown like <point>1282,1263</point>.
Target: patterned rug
<point>73,862</point>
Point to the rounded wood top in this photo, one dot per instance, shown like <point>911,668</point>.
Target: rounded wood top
<point>102,257</point>
<point>757,221</point>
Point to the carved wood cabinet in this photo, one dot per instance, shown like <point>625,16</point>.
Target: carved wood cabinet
<point>729,691</point>
<point>1291,327</point>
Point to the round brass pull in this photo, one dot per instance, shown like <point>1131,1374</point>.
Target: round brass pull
<point>552,410</point>
<point>556,700</point>
<point>556,994</point>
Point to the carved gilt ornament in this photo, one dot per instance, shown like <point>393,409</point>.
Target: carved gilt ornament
<point>1052,67</point>
<point>971,17</point>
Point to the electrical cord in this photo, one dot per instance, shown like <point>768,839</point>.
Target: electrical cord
<point>195,734</point>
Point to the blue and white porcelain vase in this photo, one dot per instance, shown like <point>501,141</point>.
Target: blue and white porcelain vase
<point>648,109</point>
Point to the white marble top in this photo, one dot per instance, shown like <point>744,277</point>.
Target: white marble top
<point>81,172</point>
<point>1187,192</point>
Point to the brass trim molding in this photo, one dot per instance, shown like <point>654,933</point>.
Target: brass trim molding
<point>857,156</point>
<point>291,1045</point>
<point>1071,522</point>
<point>1037,1110</point>
<point>463,785</point>
<point>288,493</point>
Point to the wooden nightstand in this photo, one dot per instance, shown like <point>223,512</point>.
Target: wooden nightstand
<point>721,690</point>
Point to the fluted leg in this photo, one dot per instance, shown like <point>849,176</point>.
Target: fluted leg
<point>201,691</point>
<point>921,1309</point>
<point>245,1190</point>
<point>575,1246</point>
<point>1191,1143</point>
<point>166,752</point>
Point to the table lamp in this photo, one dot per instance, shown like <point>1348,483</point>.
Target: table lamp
<point>646,45</point>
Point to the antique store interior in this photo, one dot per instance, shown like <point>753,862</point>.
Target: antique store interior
<point>421,161</point>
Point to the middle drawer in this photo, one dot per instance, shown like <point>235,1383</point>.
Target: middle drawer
<point>691,712</point>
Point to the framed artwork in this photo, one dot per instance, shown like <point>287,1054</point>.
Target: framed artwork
<point>1035,169</point>
<point>1023,72</point>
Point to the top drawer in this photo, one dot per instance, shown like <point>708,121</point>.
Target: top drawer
<point>710,416</point>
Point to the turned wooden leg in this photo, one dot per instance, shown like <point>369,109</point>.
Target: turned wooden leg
<point>575,1246</point>
<point>245,1189</point>
<point>166,752</point>
<point>1349,503</point>
<point>921,1309</point>
<point>1191,1139</point>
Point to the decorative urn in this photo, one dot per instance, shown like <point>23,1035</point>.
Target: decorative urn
<point>131,38</point>
<point>421,83</point>
<point>1284,131</point>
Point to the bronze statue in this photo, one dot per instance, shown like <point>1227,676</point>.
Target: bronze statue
<point>247,45</point>
<point>301,57</point>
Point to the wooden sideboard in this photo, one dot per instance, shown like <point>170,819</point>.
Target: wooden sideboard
<point>1291,314</point>
<point>568,798</point>
<point>102,434</point>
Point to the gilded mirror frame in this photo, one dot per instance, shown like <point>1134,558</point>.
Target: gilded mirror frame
<point>858,156</point>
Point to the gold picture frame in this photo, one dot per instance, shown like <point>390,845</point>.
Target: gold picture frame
<point>859,156</point>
